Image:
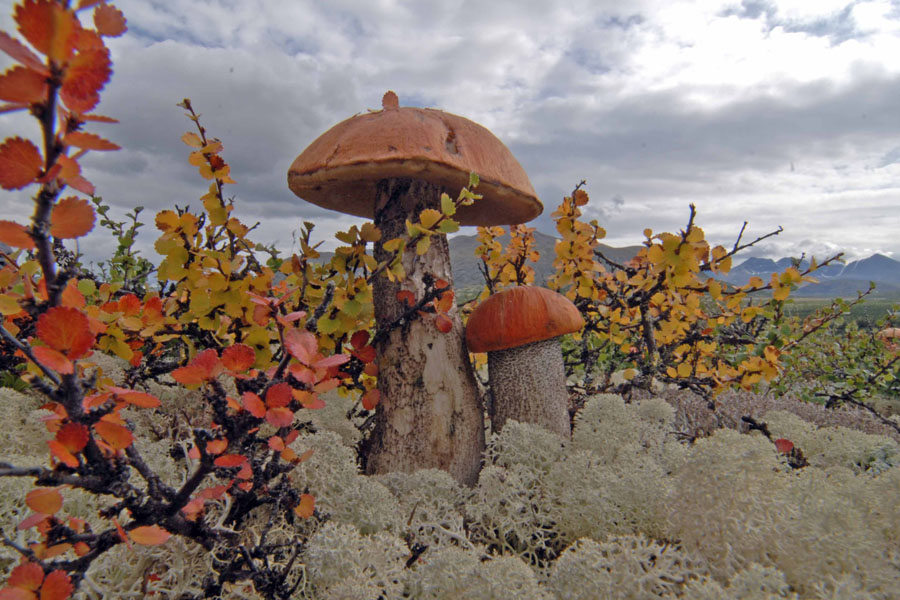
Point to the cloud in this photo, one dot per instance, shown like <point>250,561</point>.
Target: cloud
<point>778,113</point>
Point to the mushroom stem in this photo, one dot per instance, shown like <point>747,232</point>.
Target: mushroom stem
<point>430,414</point>
<point>528,384</point>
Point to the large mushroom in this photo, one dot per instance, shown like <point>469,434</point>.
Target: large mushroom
<point>519,328</point>
<point>390,165</point>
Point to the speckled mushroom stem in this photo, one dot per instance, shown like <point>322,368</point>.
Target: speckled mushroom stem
<point>528,384</point>
<point>430,413</point>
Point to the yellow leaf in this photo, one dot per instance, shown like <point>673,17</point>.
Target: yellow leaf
<point>370,233</point>
<point>192,139</point>
<point>9,305</point>
<point>429,217</point>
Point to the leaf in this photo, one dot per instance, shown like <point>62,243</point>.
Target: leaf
<point>406,297</point>
<point>278,395</point>
<point>309,400</point>
<point>16,50</point>
<point>443,323</point>
<point>230,460</point>
<point>53,359</point>
<point>306,507</point>
<point>62,454</point>
<point>301,344</point>
<point>15,235</point>
<point>57,586</point>
<point>117,436</point>
<point>149,535</point>
<point>48,27</point>
<point>193,140</point>
<point>67,330</point>
<point>448,206</point>
<point>44,500</point>
<point>370,399</point>
<point>253,404</point>
<point>27,576</point>
<point>134,397</point>
<point>331,361</point>
<point>88,141</point>
<point>86,75</point>
<point>238,358</point>
<point>109,21</point>
<point>21,84</point>
<point>784,445</point>
<point>72,217</point>
<point>73,436</point>
<point>428,217</point>
<point>280,417</point>
<point>20,163</point>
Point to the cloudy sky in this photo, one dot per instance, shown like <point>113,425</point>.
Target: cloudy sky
<point>781,112</point>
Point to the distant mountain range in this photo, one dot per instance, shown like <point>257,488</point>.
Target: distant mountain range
<point>836,280</point>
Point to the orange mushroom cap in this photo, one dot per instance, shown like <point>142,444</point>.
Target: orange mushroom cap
<point>520,315</point>
<point>340,169</point>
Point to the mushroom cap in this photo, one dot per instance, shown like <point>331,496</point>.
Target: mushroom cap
<point>520,315</point>
<point>340,169</point>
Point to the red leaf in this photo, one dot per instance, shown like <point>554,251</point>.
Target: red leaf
<point>21,84</point>
<point>72,217</point>
<point>129,305</point>
<point>406,297</point>
<point>67,330</point>
<point>117,436</point>
<point>443,323</point>
<point>109,21</point>
<point>18,51</point>
<point>359,339</point>
<point>86,75</point>
<point>238,358</point>
<point>213,493</point>
<point>73,436</point>
<point>81,184</point>
<point>331,361</point>
<point>217,446</point>
<point>48,27</point>
<point>44,500</point>
<point>783,445</point>
<point>301,344</point>
<point>150,535</point>
<point>27,576</point>
<point>53,359</point>
<point>280,417</point>
<point>254,405</point>
<point>15,235</point>
<point>309,400</point>
<point>230,460</point>
<point>57,586</point>
<point>276,443</point>
<point>366,354</point>
<point>294,316</point>
<point>278,395</point>
<point>31,521</point>
<point>98,118</point>
<point>205,366</point>
<point>20,163</point>
<point>88,141</point>
<point>307,506</point>
<point>141,399</point>
<point>63,454</point>
<point>370,399</point>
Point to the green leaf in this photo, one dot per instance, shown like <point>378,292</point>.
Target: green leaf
<point>474,180</point>
<point>448,206</point>
<point>448,226</point>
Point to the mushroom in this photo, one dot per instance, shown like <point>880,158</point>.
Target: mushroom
<point>390,165</point>
<point>519,328</point>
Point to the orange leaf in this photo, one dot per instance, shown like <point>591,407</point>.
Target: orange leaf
<point>35,519</point>
<point>57,586</point>
<point>53,359</point>
<point>48,27</point>
<point>254,405</point>
<point>44,500</point>
<point>81,184</point>
<point>118,437</point>
<point>238,358</point>
<point>27,576</point>
<point>784,445</point>
<point>71,218</point>
<point>443,323</point>
<point>88,141</point>
<point>71,297</point>
<point>276,443</point>
<point>280,417</point>
<point>86,75</point>
<point>109,20</point>
<point>307,506</point>
<point>61,453</point>
<point>67,330</point>
<point>370,399</point>
<point>150,535</point>
<point>121,531</point>
<point>406,297</point>
<point>278,395</point>
<point>21,84</point>
<point>189,375</point>
<point>20,163</point>
<point>309,400</point>
<point>230,460</point>
<point>15,49</point>
<point>217,446</point>
<point>69,166</point>
<point>15,235</point>
<point>134,397</point>
<point>73,437</point>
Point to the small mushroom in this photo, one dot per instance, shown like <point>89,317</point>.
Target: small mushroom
<point>520,328</point>
<point>390,165</point>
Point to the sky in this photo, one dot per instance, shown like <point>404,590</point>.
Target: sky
<point>779,113</point>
